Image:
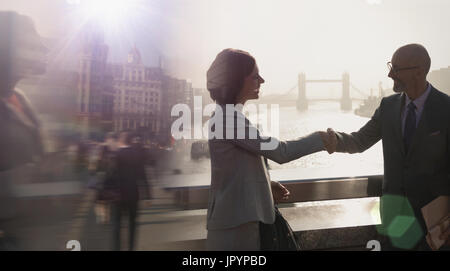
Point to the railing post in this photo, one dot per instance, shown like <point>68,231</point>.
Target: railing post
<point>346,102</point>
<point>302,102</point>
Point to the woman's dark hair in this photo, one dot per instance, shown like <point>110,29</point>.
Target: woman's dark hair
<point>225,77</point>
<point>14,27</point>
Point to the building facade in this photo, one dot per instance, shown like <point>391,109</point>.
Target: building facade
<point>125,96</point>
<point>440,79</point>
<point>137,95</point>
<point>176,91</point>
<point>95,88</point>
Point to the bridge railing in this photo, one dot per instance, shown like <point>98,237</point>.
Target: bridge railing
<point>326,214</point>
<point>302,190</point>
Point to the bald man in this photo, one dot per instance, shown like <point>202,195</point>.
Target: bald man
<point>414,126</point>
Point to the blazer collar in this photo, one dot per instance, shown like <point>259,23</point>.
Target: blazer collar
<point>25,118</point>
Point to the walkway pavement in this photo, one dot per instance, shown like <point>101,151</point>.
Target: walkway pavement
<point>161,226</point>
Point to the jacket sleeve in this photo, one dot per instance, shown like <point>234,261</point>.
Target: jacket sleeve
<point>363,139</point>
<point>272,148</point>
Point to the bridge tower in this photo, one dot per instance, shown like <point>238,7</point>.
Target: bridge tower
<point>302,102</point>
<point>346,102</point>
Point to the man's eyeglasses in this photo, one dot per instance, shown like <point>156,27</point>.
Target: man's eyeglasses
<point>395,70</point>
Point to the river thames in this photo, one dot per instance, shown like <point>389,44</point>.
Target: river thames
<point>294,124</point>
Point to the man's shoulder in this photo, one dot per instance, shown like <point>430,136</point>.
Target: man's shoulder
<point>441,96</point>
<point>392,98</point>
<point>440,103</point>
<point>390,101</point>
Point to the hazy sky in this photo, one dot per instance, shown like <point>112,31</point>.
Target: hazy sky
<point>322,38</point>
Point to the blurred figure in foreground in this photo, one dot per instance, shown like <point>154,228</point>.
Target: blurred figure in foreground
<point>104,170</point>
<point>21,55</point>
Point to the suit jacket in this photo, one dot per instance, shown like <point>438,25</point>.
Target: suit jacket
<point>412,179</point>
<point>240,189</point>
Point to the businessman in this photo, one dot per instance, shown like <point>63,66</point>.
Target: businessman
<point>414,126</point>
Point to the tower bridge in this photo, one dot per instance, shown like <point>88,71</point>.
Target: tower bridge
<point>302,101</point>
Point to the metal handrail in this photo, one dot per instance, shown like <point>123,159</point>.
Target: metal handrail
<point>196,197</point>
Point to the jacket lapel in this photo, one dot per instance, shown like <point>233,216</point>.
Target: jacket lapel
<point>398,121</point>
<point>19,116</point>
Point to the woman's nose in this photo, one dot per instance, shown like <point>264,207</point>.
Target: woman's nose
<point>261,80</point>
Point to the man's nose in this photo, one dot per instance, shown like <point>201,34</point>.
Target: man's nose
<point>391,74</point>
<point>261,80</point>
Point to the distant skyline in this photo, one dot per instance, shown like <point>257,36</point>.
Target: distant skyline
<point>322,38</point>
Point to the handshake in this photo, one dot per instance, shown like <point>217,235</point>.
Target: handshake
<point>329,140</point>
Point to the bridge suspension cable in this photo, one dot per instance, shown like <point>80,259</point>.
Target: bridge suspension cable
<point>359,91</point>
<point>289,91</point>
<point>294,87</point>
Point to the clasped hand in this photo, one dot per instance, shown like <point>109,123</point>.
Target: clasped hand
<point>329,140</point>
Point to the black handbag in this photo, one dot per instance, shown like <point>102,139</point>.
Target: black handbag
<point>278,236</point>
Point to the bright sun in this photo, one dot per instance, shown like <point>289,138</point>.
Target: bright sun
<point>109,13</point>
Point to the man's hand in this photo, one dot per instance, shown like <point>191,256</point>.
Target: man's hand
<point>329,140</point>
<point>279,192</point>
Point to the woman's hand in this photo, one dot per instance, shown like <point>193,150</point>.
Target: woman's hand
<point>279,192</point>
<point>329,140</point>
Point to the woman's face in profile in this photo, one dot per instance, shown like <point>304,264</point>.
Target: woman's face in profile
<point>250,90</point>
<point>29,54</point>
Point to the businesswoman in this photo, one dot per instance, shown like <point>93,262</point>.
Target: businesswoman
<point>241,194</point>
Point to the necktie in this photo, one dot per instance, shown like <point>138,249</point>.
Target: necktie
<point>410,125</point>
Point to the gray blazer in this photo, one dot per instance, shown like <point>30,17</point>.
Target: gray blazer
<point>423,173</point>
<point>240,189</point>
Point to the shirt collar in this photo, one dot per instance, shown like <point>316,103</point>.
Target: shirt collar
<point>420,101</point>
